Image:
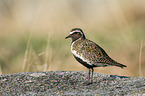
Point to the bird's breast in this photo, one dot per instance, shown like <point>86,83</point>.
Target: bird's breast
<point>77,50</point>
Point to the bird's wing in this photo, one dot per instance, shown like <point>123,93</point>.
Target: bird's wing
<point>96,54</point>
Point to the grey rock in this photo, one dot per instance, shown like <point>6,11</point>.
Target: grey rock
<point>69,83</point>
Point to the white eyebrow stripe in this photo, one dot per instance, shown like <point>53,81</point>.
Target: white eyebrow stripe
<point>72,32</point>
<point>75,31</point>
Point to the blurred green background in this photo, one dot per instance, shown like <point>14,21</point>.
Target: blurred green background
<point>32,34</point>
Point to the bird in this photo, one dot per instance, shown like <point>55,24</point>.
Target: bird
<point>88,53</point>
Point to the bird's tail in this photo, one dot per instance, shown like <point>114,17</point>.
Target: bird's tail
<point>120,65</point>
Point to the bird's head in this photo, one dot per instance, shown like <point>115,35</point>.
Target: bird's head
<point>75,34</point>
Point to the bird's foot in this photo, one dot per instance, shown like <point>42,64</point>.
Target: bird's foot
<point>88,83</point>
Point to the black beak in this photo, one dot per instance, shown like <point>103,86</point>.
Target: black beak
<point>69,36</point>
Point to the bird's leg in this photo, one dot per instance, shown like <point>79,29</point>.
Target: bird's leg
<point>88,82</point>
<point>90,79</point>
<point>92,75</point>
<point>89,74</point>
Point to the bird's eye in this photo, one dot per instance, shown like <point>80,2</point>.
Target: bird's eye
<point>76,33</point>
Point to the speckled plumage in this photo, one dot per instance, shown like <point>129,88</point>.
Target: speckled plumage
<point>93,54</point>
<point>89,53</point>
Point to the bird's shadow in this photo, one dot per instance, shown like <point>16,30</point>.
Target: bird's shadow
<point>110,78</point>
<point>77,81</point>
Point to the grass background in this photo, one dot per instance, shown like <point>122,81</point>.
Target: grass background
<point>32,34</point>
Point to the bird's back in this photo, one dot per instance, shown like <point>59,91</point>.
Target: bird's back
<point>92,54</point>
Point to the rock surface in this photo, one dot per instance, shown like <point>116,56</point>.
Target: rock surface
<point>69,83</point>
